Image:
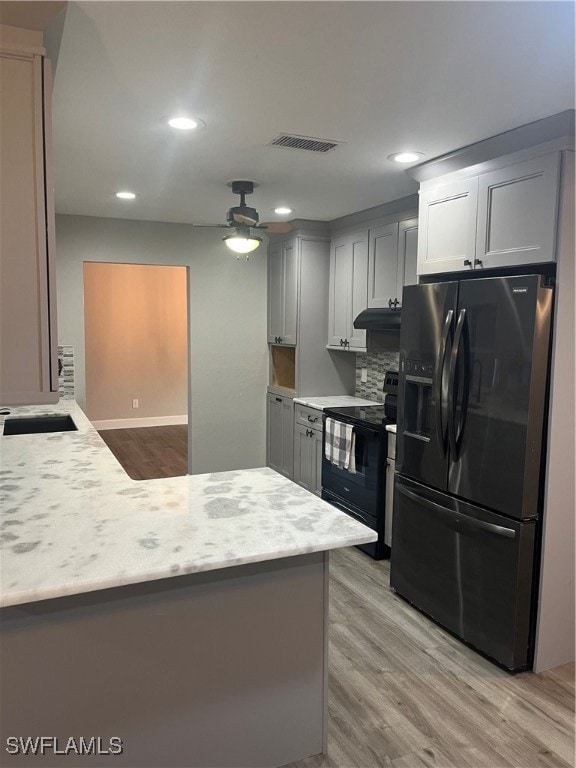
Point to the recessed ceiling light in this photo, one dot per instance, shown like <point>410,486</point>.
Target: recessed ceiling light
<point>185,123</point>
<point>125,195</point>
<point>406,157</point>
<point>283,210</point>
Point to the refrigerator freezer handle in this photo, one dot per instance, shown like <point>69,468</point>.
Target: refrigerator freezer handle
<point>438,381</point>
<point>455,432</point>
<point>459,520</point>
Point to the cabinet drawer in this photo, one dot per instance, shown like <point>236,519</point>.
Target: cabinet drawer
<point>308,417</point>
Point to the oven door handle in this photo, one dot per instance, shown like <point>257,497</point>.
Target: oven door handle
<point>353,513</point>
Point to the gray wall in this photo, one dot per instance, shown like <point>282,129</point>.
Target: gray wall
<point>556,617</point>
<point>227,315</point>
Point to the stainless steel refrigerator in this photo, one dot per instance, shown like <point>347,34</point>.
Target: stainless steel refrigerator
<point>469,453</point>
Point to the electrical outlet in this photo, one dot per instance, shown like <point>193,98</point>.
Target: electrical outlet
<point>364,375</point>
<point>135,403</point>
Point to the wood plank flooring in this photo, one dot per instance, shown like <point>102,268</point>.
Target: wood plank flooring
<point>147,453</point>
<point>402,692</point>
<point>406,694</point>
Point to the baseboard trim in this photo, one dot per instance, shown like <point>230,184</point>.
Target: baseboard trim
<point>151,421</point>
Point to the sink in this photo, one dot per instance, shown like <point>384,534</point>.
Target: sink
<point>29,425</point>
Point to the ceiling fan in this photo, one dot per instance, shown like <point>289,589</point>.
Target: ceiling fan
<point>241,219</point>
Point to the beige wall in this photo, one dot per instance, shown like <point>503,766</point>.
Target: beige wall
<point>136,345</point>
<point>227,324</point>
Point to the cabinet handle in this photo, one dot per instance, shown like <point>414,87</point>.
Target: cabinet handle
<point>478,262</point>
<point>467,263</point>
<point>280,339</point>
<point>341,342</point>
<point>312,420</point>
<point>389,303</point>
<point>278,399</point>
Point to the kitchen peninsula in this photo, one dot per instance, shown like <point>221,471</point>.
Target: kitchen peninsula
<point>186,616</point>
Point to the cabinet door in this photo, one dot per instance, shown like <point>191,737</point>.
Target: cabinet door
<point>280,434</point>
<point>283,292</point>
<point>305,457</point>
<point>383,265</point>
<point>359,288</point>
<point>308,458</point>
<point>275,292</point>
<point>340,288</point>
<point>290,281</point>
<point>28,351</point>
<point>447,228</point>
<point>517,212</point>
<point>407,255</point>
<point>318,454</point>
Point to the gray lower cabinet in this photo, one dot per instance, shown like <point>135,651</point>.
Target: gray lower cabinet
<point>308,458</point>
<point>308,431</point>
<point>280,434</point>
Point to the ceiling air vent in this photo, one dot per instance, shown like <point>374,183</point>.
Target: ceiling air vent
<point>292,141</point>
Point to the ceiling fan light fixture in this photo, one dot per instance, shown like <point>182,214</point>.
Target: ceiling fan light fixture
<point>406,157</point>
<point>240,244</point>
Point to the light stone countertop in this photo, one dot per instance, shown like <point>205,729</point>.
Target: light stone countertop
<point>334,401</point>
<point>72,521</point>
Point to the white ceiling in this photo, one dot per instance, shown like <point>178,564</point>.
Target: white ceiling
<point>380,76</point>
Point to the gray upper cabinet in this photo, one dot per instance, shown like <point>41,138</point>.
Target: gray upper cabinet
<point>283,292</point>
<point>517,212</point>
<point>348,291</point>
<point>383,267</point>
<point>447,227</point>
<point>407,254</point>
<point>28,360</point>
<point>504,216</point>
<point>393,250</point>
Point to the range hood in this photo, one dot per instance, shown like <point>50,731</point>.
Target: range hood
<point>379,320</point>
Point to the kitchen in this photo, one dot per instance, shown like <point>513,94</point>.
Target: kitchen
<point>98,238</point>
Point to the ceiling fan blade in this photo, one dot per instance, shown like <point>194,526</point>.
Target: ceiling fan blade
<point>241,219</point>
<point>276,227</point>
<point>221,226</point>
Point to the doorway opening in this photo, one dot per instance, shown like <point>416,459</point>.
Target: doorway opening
<point>136,359</point>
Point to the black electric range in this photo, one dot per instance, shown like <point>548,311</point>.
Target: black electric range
<point>361,490</point>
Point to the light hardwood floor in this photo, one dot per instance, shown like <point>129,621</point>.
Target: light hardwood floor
<point>406,694</point>
<point>403,692</point>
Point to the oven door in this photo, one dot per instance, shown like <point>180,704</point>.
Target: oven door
<point>359,489</point>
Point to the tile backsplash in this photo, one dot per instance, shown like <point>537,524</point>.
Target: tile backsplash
<point>66,375</point>
<point>382,356</point>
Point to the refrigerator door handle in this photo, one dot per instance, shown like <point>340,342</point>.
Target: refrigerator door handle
<point>455,431</point>
<point>458,519</point>
<point>441,428</point>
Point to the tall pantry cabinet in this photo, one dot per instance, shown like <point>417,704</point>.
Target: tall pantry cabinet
<point>28,351</point>
<point>300,363</point>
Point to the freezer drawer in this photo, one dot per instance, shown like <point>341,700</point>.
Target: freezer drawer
<point>469,569</point>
